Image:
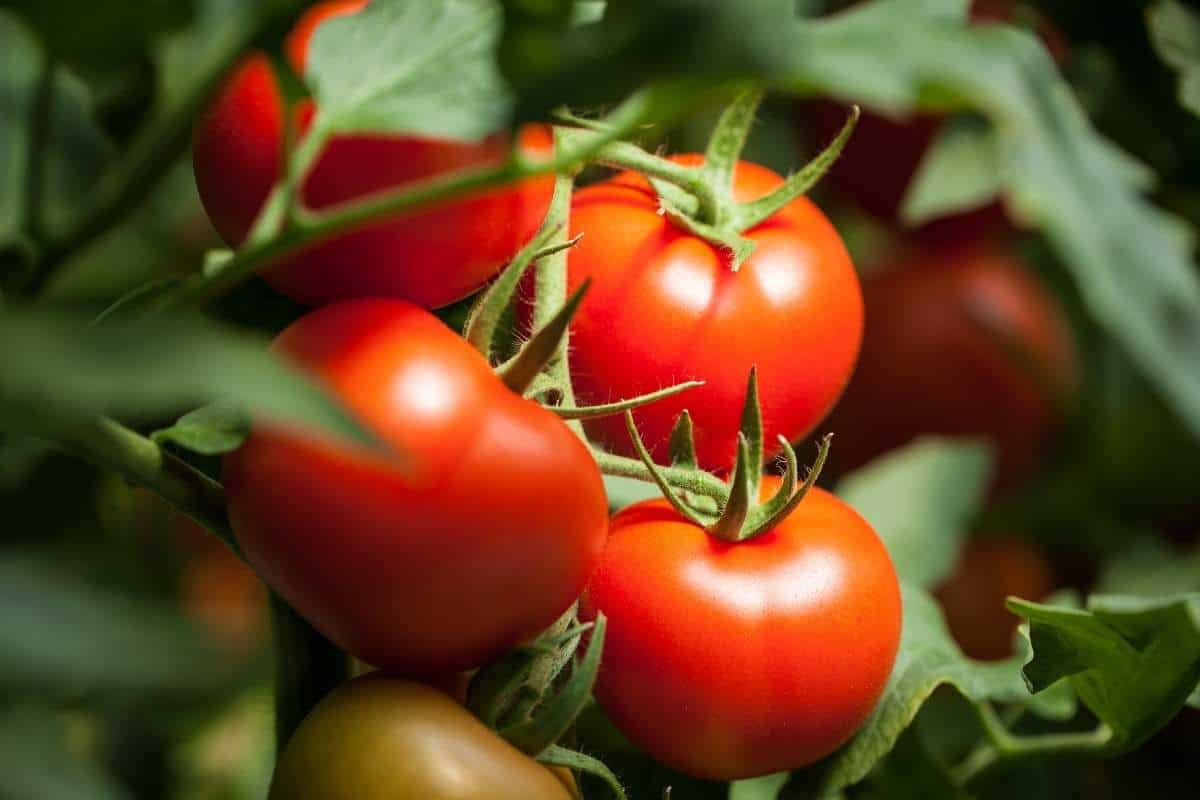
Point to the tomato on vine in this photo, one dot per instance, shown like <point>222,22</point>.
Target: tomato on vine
<point>665,305</point>
<point>728,660</point>
<point>431,257</point>
<point>472,527</point>
<point>380,738</point>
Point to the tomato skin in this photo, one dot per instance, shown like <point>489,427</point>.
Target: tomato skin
<point>474,530</point>
<point>727,661</point>
<point>960,341</point>
<point>989,571</point>
<point>379,738</point>
<point>665,307</point>
<point>432,257</point>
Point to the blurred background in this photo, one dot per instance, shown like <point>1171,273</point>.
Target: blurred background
<point>134,648</point>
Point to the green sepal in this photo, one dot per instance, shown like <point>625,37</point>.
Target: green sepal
<point>683,443</point>
<point>762,517</point>
<point>759,526</point>
<point>211,430</point>
<point>676,502</point>
<point>519,373</point>
<point>728,139</point>
<point>621,406</point>
<point>729,526</point>
<point>752,430</point>
<point>484,318</point>
<point>558,756</point>
<point>556,715</point>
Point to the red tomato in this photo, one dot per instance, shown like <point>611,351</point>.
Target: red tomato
<point>665,307</point>
<point>475,528</point>
<point>961,342</point>
<point>726,661</point>
<point>992,569</point>
<point>431,257</point>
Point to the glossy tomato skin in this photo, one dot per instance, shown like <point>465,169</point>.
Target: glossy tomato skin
<point>379,738</point>
<point>726,661</point>
<point>431,257</point>
<point>664,307</point>
<point>474,527</point>
<point>960,341</point>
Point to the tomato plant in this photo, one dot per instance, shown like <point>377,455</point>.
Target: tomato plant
<point>665,306</point>
<point>476,523</point>
<point>982,343</point>
<point>379,737</point>
<point>432,257</point>
<point>734,659</point>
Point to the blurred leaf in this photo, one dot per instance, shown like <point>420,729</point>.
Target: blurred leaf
<point>55,368</point>
<point>213,430</point>
<point>411,66</point>
<point>77,150</point>
<point>920,499</point>
<point>910,771</point>
<point>63,638</point>
<point>20,64</point>
<point>960,172</point>
<point>1175,33</point>
<point>38,762</point>
<point>1133,661</point>
<point>1150,567</point>
<point>98,33</point>
<point>766,787</point>
<point>928,658</point>
<point>1131,262</point>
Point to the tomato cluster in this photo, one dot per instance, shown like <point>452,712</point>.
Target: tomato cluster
<point>475,517</point>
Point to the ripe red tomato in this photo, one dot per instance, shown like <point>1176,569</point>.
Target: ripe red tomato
<point>726,661</point>
<point>962,342</point>
<point>379,738</point>
<point>664,307</point>
<point>991,569</point>
<point>431,257</point>
<point>475,528</point>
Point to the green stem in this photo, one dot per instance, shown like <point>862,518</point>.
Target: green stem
<point>1002,745</point>
<point>551,289</point>
<point>696,482</point>
<point>110,445</point>
<point>156,148</point>
<point>307,667</point>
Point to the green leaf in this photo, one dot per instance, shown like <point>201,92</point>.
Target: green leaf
<point>766,787</point>
<point>1150,567</point>
<point>928,658</point>
<point>212,430</point>
<point>96,34</point>
<point>1134,662</point>
<point>960,172</point>
<point>423,67</point>
<point>65,639</point>
<point>56,369</point>
<point>1131,262</point>
<point>1175,34</point>
<point>41,762</point>
<point>20,64</point>
<point>920,499</point>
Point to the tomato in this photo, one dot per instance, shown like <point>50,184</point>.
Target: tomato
<point>475,527</point>
<point>960,341</point>
<point>664,307</point>
<point>990,570</point>
<point>730,660</point>
<point>431,257</point>
<point>379,738</point>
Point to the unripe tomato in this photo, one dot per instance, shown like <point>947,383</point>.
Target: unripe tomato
<point>727,661</point>
<point>961,342</point>
<point>378,738</point>
<point>990,570</point>
<point>431,257</point>
<point>475,526</point>
<point>664,307</point>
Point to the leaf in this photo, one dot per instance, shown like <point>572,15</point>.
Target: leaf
<point>1175,34</point>
<point>766,787</point>
<point>1131,262</point>
<point>959,172</point>
<point>65,639</point>
<point>423,67</point>
<point>96,34</point>
<point>55,369</point>
<point>1134,662</point>
<point>41,762</point>
<point>20,63</point>
<point>920,500</point>
<point>212,430</point>
<point>1150,567</point>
